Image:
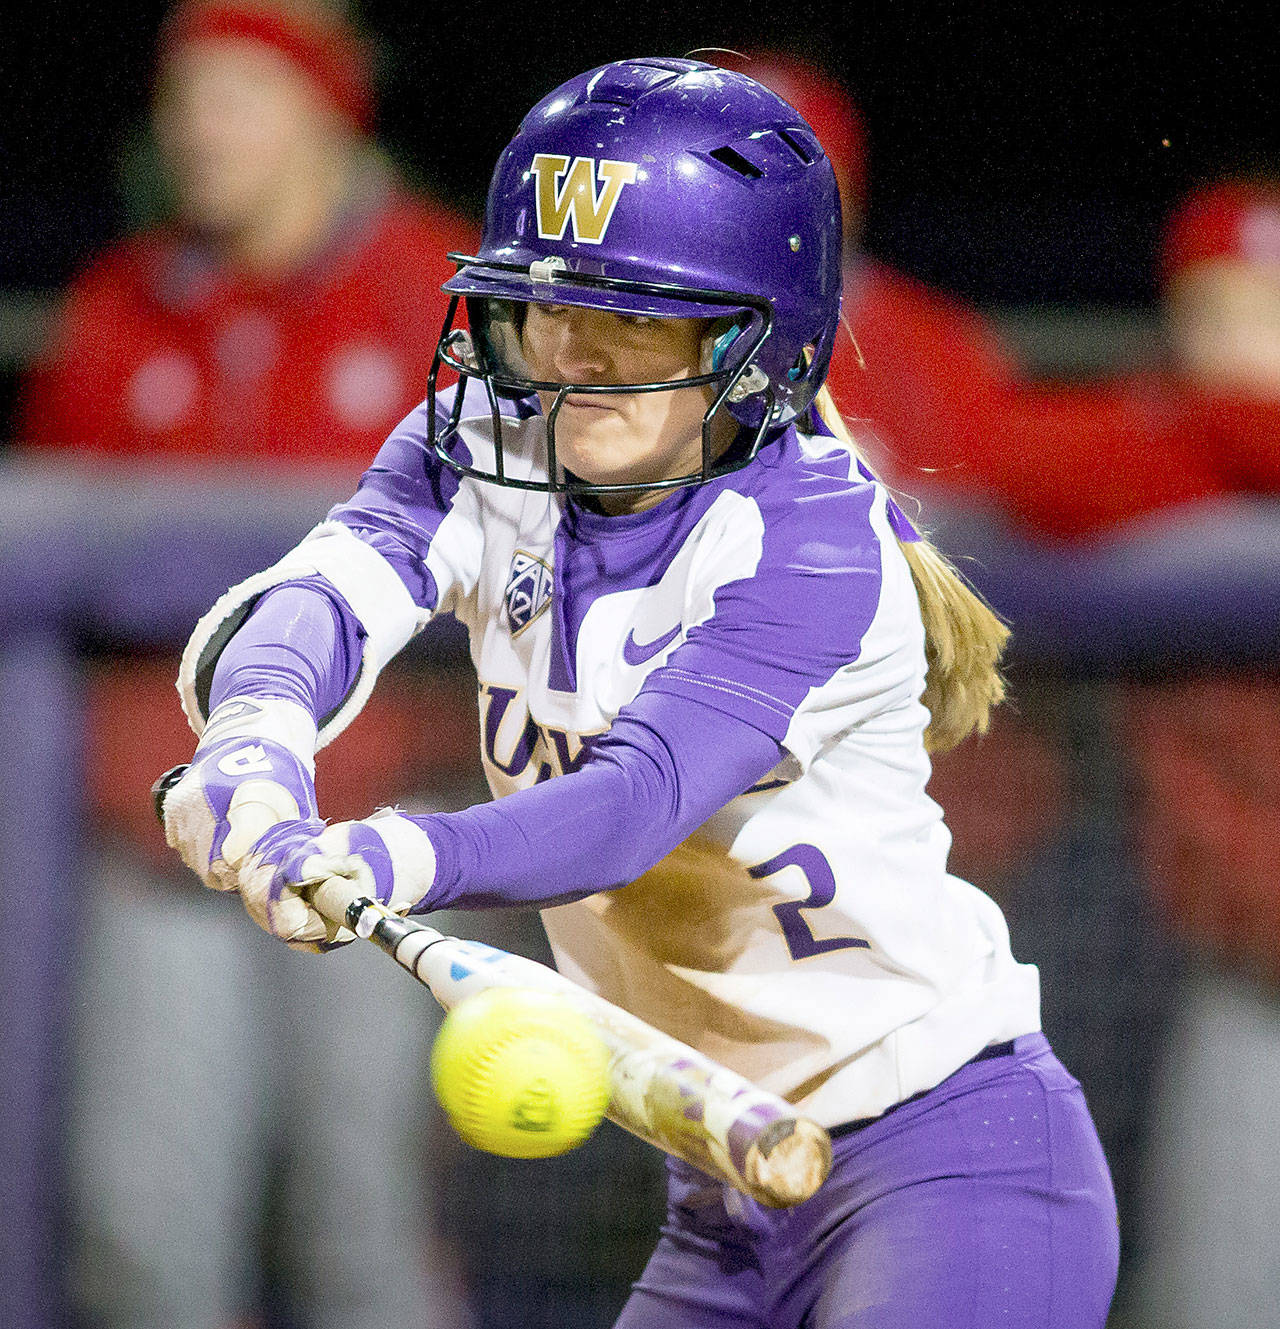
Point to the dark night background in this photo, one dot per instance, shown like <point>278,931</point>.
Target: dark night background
<point>1017,155</point>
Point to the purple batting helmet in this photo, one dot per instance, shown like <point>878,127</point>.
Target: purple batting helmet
<point>665,188</point>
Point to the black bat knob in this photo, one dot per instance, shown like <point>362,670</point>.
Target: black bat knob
<point>162,787</point>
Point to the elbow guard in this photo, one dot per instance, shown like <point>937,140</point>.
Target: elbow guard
<point>367,583</point>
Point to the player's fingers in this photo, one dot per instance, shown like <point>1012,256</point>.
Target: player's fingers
<point>293,920</point>
<point>279,897</point>
<point>286,916</point>
<point>222,877</point>
<point>391,859</point>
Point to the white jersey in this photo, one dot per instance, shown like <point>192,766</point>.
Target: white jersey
<point>808,935</point>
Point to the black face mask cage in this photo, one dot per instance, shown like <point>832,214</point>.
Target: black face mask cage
<point>472,358</point>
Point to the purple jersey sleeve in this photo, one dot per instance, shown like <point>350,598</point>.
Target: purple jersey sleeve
<point>666,765</point>
<point>790,607</point>
<point>407,493</point>
<point>663,768</point>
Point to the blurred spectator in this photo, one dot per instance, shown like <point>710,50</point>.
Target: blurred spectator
<point>918,368</point>
<point>1208,744</point>
<point>284,321</point>
<point>1204,748</point>
<point>1080,465</point>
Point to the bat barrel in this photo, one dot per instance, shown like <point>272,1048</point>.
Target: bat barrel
<point>787,1163</point>
<point>661,1090</point>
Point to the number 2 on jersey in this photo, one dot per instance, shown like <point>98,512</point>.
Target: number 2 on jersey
<point>822,890</point>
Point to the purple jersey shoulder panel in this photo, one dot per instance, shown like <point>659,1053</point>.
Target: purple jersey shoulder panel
<point>803,614</point>
<point>407,492</point>
<point>898,519</point>
<point>773,635</point>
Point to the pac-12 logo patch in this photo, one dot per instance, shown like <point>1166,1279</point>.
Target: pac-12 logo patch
<point>566,195</point>
<point>528,590</point>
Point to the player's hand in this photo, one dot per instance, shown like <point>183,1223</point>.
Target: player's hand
<point>249,773</point>
<point>302,875</point>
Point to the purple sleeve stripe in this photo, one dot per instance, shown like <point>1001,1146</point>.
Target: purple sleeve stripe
<point>768,718</point>
<point>402,499</point>
<point>735,686</point>
<point>803,614</point>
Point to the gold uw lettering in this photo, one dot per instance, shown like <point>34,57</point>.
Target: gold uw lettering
<point>575,201</point>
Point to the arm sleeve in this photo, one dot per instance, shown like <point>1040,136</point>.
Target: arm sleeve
<point>301,643</point>
<point>666,765</point>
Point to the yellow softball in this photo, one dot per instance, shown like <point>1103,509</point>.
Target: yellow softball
<point>520,1072</point>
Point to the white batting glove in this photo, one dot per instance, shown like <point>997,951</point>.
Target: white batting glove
<point>253,768</point>
<point>302,875</point>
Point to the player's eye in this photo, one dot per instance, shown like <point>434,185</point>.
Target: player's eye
<point>637,320</point>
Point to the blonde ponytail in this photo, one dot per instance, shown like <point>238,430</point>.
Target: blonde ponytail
<point>963,637</point>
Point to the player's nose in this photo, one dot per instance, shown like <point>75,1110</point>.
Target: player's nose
<point>582,351</point>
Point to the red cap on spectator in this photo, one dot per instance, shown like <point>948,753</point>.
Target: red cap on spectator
<point>1233,219</point>
<point>326,51</point>
<point>827,107</point>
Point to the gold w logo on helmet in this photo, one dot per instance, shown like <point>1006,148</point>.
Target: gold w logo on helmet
<point>566,193</point>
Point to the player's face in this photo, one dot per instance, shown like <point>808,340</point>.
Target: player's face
<point>623,438</point>
<point>237,126</point>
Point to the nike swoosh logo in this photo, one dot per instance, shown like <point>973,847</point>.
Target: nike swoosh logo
<point>634,653</point>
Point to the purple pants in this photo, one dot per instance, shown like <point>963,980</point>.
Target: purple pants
<point>985,1202</point>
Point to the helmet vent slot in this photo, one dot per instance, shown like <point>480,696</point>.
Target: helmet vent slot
<point>797,145</point>
<point>736,162</point>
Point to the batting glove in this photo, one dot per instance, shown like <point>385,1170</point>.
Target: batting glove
<point>252,769</point>
<point>302,875</point>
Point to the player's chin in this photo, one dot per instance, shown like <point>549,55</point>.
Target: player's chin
<point>597,450</point>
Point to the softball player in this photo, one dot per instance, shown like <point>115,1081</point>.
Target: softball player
<point>712,656</point>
